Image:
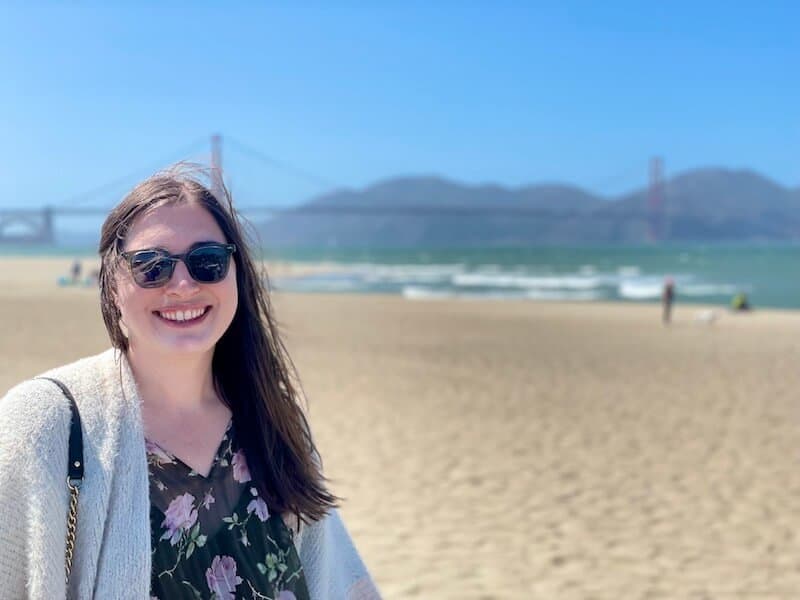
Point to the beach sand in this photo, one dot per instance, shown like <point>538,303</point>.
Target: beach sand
<point>523,449</point>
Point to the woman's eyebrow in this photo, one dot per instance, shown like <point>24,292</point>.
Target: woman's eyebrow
<point>164,249</point>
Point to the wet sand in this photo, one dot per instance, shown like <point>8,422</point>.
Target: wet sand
<point>522,449</point>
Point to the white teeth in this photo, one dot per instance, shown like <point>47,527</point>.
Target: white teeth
<point>183,315</point>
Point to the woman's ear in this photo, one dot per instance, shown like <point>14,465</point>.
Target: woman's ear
<point>123,327</point>
<point>114,294</point>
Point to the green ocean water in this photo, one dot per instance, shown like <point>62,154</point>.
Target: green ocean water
<point>708,274</point>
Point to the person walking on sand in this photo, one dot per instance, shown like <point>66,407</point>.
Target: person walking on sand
<point>75,271</point>
<point>199,475</point>
<point>667,298</point>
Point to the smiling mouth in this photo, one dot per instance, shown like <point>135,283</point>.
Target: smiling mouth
<point>183,317</point>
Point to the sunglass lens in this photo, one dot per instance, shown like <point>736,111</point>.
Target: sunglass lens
<point>208,264</point>
<point>151,269</point>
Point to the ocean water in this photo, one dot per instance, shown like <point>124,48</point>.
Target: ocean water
<point>768,274</point>
<point>707,274</point>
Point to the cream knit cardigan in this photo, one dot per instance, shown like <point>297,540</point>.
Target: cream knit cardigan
<point>112,555</point>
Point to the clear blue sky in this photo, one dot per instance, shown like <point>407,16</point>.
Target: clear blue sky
<point>354,92</point>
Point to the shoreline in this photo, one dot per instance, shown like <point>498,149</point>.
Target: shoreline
<point>34,274</point>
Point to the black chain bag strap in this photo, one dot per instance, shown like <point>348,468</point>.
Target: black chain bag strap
<point>74,472</point>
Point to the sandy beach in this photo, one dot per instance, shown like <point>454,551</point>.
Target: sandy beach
<point>523,449</point>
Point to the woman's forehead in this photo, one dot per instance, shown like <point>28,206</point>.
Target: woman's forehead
<point>174,227</point>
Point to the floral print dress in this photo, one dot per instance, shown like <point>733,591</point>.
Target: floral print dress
<point>213,537</point>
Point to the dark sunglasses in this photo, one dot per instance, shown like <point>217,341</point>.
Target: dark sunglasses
<point>206,262</point>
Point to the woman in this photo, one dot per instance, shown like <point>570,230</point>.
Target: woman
<point>201,476</point>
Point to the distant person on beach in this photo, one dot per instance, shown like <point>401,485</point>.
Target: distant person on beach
<point>740,302</point>
<point>667,298</point>
<point>192,471</point>
<point>75,271</point>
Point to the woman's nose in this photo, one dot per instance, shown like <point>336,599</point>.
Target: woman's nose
<point>181,282</point>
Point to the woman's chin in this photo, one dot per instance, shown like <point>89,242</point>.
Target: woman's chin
<point>187,346</point>
<point>166,346</point>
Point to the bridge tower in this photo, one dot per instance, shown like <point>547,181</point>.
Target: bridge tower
<point>216,167</point>
<point>656,200</point>
<point>47,231</point>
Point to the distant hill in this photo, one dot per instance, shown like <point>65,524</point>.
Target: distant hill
<point>711,204</point>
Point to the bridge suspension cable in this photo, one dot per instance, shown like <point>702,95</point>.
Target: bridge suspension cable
<point>623,177</point>
<point>307,176</point>
<point>132,177</point>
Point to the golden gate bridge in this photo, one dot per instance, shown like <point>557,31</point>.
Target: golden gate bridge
<point>37,225</point>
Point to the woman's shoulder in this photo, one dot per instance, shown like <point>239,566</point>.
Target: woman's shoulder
<point>88,372</point>
<point>28,397</point>
<point>36,407</point>
<point>32,414</point>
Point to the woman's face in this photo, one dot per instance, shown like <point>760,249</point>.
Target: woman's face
<point>150,315</point>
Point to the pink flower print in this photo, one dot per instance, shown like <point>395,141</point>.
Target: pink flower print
<point>286,595</point>
<point>180,516</point>
<point>240,471</point>
<point>221,577</point>
<point>208,500</point>
<point>260,508</point>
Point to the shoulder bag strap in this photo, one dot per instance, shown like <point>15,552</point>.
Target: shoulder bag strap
<point>74,472</point>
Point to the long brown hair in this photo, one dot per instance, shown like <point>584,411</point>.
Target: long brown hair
<point>253,373</point>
